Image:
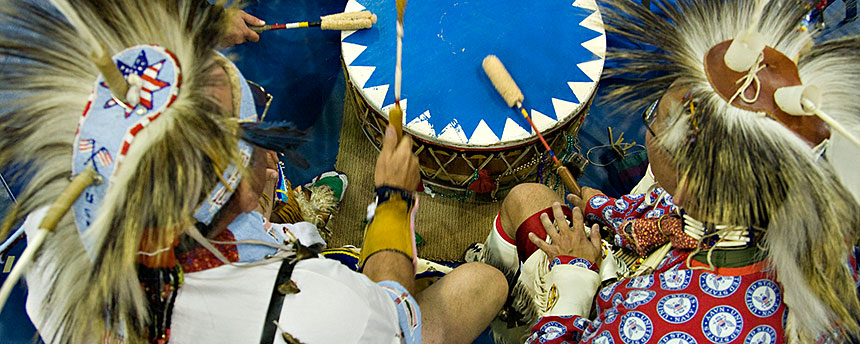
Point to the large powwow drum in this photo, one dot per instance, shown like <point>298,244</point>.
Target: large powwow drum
<point>463,128</point>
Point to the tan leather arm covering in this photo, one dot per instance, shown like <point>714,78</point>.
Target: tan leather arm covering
<point>389,230</point>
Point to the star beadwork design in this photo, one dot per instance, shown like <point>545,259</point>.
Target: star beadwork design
<point>149,76</point>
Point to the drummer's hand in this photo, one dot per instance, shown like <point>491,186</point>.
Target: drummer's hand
<point>239,32</point>
<point>396,166</point>
<point>587,194</point>
<point>567,241</point>
<point>272,165</point>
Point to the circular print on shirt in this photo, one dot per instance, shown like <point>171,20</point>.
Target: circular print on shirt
<point>603,338</point>
<point>761,334</point>
<point>606,292</point>
<point>677,338</point>
<point>718,285</point>
<point>722,324</point>
<point>610,315</point>
<point>635,328</point>
<point>678,308</point>
<point>637,297</point>
<point>598,201</point>
<point>552,330</point>
<point>763,298</point>
<point>675,279</point>
<point>641,282</point>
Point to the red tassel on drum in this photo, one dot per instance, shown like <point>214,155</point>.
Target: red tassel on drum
<point>483,184</point>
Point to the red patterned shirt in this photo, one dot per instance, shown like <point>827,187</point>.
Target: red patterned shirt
<point>613,212</point>
<point>677,305</point>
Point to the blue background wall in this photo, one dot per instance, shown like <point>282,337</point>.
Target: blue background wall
<point>301,69</point>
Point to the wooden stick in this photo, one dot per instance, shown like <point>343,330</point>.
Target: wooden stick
<point>337,21</point>
<point>510,92</point>
<point>395,115</point>
<point>55,213</point>
<point>113,77</point>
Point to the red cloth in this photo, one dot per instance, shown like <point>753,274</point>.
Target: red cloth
<point>525,247</point>
<point>483,184</point>
<point>678,304</point>
<point>200,258</point>
<point>614,212</point>
<point>646,235</point>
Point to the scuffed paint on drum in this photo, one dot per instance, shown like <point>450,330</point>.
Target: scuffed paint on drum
<point>453,132</point>
<point>476,117</point>
<point>421,125</point>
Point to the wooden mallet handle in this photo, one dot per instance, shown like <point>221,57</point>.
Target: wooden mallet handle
<point>395,117</point>
<point>569,181</point>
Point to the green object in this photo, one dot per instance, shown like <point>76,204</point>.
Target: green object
<point>418,239</point>
<point>334,183</point>
<point>732,258</point>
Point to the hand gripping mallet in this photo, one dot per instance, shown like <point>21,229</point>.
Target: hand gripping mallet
<point>337,21</point>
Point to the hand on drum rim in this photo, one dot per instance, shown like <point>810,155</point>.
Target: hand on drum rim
<point>565,241</point>
<point>396,166</point>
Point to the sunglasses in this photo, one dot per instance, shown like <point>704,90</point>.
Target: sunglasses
<point>262,99</point>
<point>649,115</point>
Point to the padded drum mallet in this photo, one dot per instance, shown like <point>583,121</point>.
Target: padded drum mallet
<point>337,21</point>
<point>506,87</point>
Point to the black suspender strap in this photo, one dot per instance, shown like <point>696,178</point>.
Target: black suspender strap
<point>276,302</point>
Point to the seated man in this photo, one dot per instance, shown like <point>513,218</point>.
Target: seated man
<point>759,249</point>
<point>165,246</point>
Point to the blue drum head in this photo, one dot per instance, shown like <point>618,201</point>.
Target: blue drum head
<point>553,49</point>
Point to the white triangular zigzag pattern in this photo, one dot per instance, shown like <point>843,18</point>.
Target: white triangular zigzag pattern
<point>360,74</point>
<point>351,51</point>
<point>586,4</point>
<point>422,125</point>
<point>594,22</point>
<point>592,68</point>
<point>454,133</point>
<point>483,135</point>
<point>582,90</point>
<point>596,45</point>
<point>354,6</point>
<point>563,109</point>
<point>544,122</point>
<point>403,105</point>
<point>513,131</point>
<point>375,95</point>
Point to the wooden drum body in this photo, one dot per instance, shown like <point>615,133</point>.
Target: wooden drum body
<point>463,129</point>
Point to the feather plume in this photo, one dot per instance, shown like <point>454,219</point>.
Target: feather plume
<point>281,137</point>
<point>48,71</point>
<point>744,168</point>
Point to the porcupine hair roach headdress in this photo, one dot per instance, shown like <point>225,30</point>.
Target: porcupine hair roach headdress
<point>168,155</point>
<point>745,157</point>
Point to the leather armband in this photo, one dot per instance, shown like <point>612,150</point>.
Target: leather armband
<point>389,230</point>
<point>572,289</point>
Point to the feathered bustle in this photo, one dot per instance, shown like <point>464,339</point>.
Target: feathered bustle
<point>744,168</point>
<point>168,170</point>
